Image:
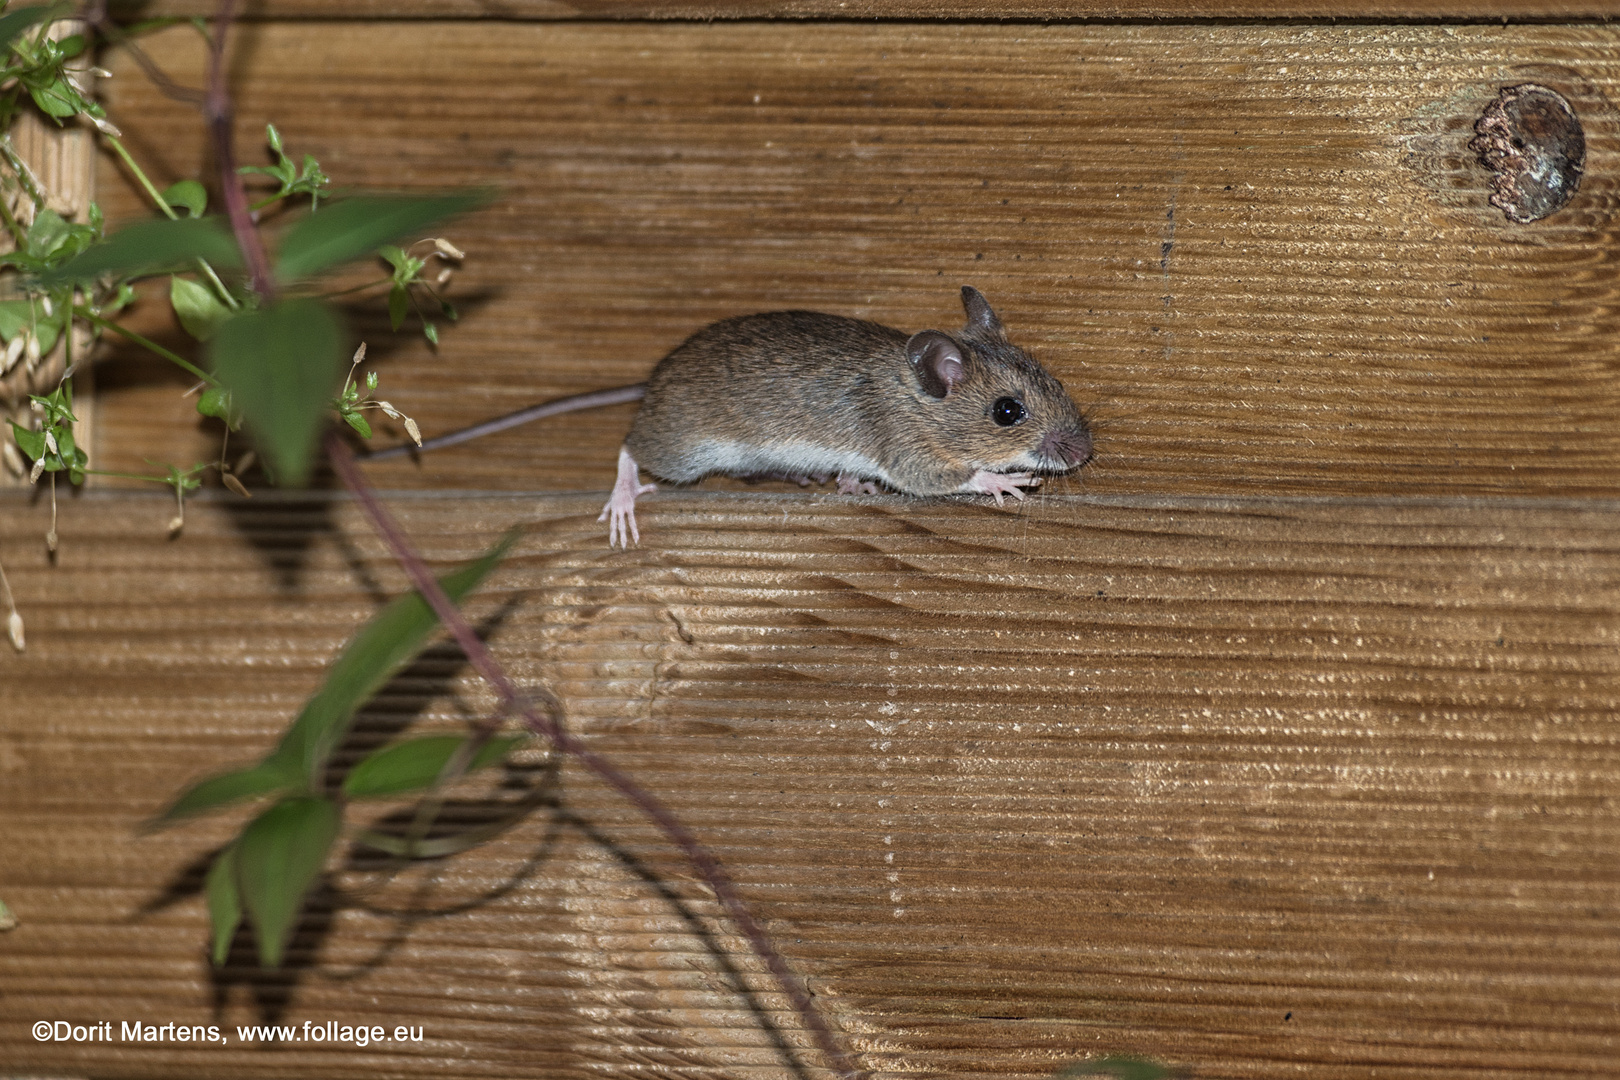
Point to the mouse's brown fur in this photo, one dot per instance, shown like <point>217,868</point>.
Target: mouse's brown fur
<point>804,394</point>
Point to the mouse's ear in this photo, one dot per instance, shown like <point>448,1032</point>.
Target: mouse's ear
<point>937,362</point>
<point>980,317</point>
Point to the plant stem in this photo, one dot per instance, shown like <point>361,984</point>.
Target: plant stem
<point>146,343</point>
<point>707,866</point>
<point>18,233</point>
<point>162,204</point>
<point>140,174</point>
<point>125,475</point>
<point>217,109</point>
<point>356,288</point>
<point>25,175</point>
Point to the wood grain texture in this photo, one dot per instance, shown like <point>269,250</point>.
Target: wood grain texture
<point>1261,255</point>
<point>1260,787</point>
<point>1481,10</point>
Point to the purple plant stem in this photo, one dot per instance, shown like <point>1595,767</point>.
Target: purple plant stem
<point>707,866</point>
<point>220,114</point>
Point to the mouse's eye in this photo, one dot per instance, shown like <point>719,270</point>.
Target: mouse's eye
<point>1007,411</point>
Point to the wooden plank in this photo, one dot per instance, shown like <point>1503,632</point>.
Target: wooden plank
<point>1260,787</point>
<point>1262,256</point>
<point>906,9</point>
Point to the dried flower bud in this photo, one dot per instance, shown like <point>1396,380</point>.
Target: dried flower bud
<point>100,72</point>
<point>46,306</point>
<point>31,350</point>
<point>245,462</point>
<point>447,249</point>
<point>50,442</point>
<point>393,413</point>
<point>34,475</point>
<point>176,523</point>
<point>14,460</point>
<point>359,354</point>
<point>13,353</point>
<point>14,627</point>
<point>235,485</point>
<point>105,127</point>
<point>50,540</point>
<point>444,276</point>
<point>413,431</point>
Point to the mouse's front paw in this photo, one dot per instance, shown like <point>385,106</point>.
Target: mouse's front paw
<point>999,484</point>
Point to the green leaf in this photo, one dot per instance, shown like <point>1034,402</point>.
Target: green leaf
<point>416,764</point>
<point>399,305</point>
<point>31,443</point>
<point>354,227</point>
<point>15,22</point>
<point>358,422</point>
<point>278,858</point>
<point>393,256</point>
<point>15,316</point>
<point>187,195</point>
<point>224,903</point>
<point>197,308</point>
<point>225,789</point>
<point>281,365</point>
<point>47,234</point>
<point>216,401</point>
<point>385,645</point>
<point>151,245</point>
<point>58,99</point>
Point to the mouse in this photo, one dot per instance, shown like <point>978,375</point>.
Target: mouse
<point>807,397</point>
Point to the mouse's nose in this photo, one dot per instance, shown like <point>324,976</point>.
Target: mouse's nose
<point>1071,446</point>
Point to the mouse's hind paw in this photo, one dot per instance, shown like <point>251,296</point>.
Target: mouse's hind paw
<point>851,484</point>
<point>620,511</point>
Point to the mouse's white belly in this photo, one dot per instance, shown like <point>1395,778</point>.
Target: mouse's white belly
<point>792,458</point>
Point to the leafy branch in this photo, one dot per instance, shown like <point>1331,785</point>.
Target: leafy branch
<point>274,351</point>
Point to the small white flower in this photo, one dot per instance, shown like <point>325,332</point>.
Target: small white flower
<point>45,304</point>
<point>31,350</point>
<point>105,127</point>
<point>14,627</point>
<point>447,249</point>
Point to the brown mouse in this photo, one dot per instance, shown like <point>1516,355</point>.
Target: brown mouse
<point>805,396</point>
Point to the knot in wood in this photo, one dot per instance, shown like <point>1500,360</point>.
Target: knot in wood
<point>1532,141</point>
